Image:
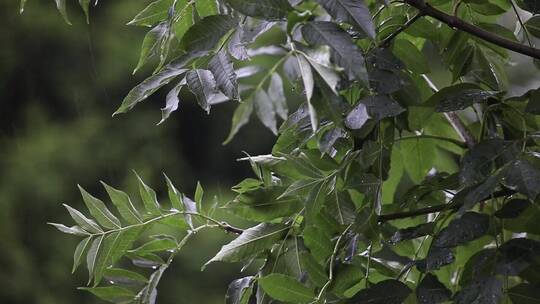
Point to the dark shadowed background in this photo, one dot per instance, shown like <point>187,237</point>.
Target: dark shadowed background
<point>59,85</point>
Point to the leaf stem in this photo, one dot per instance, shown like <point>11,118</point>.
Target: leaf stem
<point>332,258</point>
<point>223,225</point>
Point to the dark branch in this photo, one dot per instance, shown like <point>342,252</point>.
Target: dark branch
<point>459,24</point>
<point>437,208</point>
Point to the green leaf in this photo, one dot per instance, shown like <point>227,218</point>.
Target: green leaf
<point>357,117</point>
<point>240,118</point>
<point>413,232</point>
<point>277,96</point>
<point>264,9</point>
<point>172,101</point>
<point>264,204</point>
<point>432,291</point>
<point>150,291</point>
<point>286,289</point>
<point>149,198</point>
<point>341,207</point>
<point>22,5</point>
<point>250,243</point>
<point>300,187</point>
<point>206,7</point>
<point>466,228</point>
<point>533,26</point>
<point>85,5</point>
<point>61,6</point>
<point>512,208</point>
<point>517,255</point>
<point>158,245</point>
<point>373,107</point>
<point>523,177</point>
<point>525,221</point>
<point>124,277</point>
<point>112,248</point>
<point>245,34</point>
<point>385,292</point>
<point>411,56</point>
<point>316,272</point>
<point>328,74</point>
<point>203,85</point>
<point>240,291</point>
<point>205,34</point>
<point>84,222</point>
<point>354,12</point>
<point>309,84</point>
<point>222,68</point>
<point>344,52</point>
<point>477,193</point>
<point>483,291</point>
<point>152,43</point>
<point>524,293</point>
<point>318,241</point>
<point>150,260</point>
<point>154,13</point>
<point>199,193</point>
<point>265,110</point>
<point>480,161</point>
<point>346,280</point>
<point>185,18</point>
<point>189,206</point>
<point>75,230</point>
<point>366,224</point>
<point>533,106</point>
<point>175,197</point>
<point>92,256</point>
<point>459,97</point>
<point>316,198</point>
<point>80,250</point>
<point>99,211</point>
<point>532,6</point>
<point>112,294</point>
<point>150,85</point>
<point>123,203</point>
<point>436,258</point>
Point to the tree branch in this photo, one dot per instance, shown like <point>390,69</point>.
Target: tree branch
<point>437,208</point>
<point>459,24</point>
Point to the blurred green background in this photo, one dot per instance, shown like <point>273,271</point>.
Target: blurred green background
<point>59,85</point>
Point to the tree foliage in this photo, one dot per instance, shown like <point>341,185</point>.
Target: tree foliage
<point>381,186</point>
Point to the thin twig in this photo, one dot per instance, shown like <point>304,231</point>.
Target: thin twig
<point>387,40</point>
<point>437,208</point>
<point>332,258</point>
<point>525,30</point>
